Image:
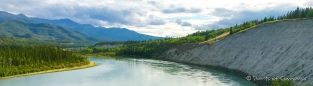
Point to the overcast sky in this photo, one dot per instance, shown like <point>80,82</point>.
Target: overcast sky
<point>155,17</point>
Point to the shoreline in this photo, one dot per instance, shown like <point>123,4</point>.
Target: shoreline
<point>209,59</point>
<point>234,72</point>
<point>91,64</point>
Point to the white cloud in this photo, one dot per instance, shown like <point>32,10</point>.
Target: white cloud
<point>178,21</point>
<point>309,3</point>
<point>182,10</point>
<point>157,22</point>
<point>186,24</point>
<point>156,17</point>
<point>168,30</point>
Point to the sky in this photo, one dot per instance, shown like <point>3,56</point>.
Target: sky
<point>165,18</point>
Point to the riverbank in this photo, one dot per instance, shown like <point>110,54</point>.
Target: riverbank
<point>91,64</point>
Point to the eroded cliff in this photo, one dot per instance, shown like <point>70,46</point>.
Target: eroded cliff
<point>270,50</point>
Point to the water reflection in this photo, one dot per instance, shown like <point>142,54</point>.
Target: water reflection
<point>201,74</point>
<point>131,72</point>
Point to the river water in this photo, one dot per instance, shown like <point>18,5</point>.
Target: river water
<point>132,72</point>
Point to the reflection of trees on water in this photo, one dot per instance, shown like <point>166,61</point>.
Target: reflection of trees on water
<point>201,74</point>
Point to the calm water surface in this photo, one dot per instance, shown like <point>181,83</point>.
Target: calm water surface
<point>132,72</point>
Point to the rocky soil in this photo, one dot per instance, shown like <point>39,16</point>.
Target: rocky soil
<point>280,49</point>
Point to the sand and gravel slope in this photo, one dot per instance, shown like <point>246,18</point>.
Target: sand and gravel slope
<point>275,49</point>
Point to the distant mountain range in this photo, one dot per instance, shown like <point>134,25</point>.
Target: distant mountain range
<point>42,31</point>
<point>94,33</point>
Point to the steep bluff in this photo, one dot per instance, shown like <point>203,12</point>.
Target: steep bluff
<point>270,50</point>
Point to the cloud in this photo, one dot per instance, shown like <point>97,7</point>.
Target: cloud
<point>106,14</point>
<point>154,14</point>
<point>182,10</point>
<point>186,24</point>
<point>153,3</point>
<point>309,3</point>
<point>157,22</point>
<point>182,23</point>
<point>170,29</point>
<point>178,21</point>
<point>222,12</point>
<point>92,11</point>
<point>204,27</point>
<point>231,18</point>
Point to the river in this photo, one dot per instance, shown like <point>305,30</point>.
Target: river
<point>132,72</point>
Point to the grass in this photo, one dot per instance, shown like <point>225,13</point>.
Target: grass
<point>216,38</point>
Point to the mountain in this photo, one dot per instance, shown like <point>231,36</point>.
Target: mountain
<point>42,31</point>
<point>115,33</point>
<point>105,34</point>
<point>4,16</point>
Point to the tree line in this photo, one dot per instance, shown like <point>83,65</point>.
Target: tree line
<point>4,40</point>
<point>147,48</point>
<point>16,59</point>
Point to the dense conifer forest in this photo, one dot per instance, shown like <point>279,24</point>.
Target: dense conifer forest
<point>16,59</point>
<point>31,42</point>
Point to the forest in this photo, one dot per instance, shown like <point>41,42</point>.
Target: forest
<point>28,55</point>
<point>16,59</point>
<point>21,56</point>
<point>4,40</point>
<point>148,48</point>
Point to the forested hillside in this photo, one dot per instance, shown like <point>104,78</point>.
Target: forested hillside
<point>27,59</point>
<point>102,33</point>
<point>36,42</point>
<point>42,31</point>
<point>22,41</point>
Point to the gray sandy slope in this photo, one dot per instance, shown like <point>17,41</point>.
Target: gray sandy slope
<point>275,49</point>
